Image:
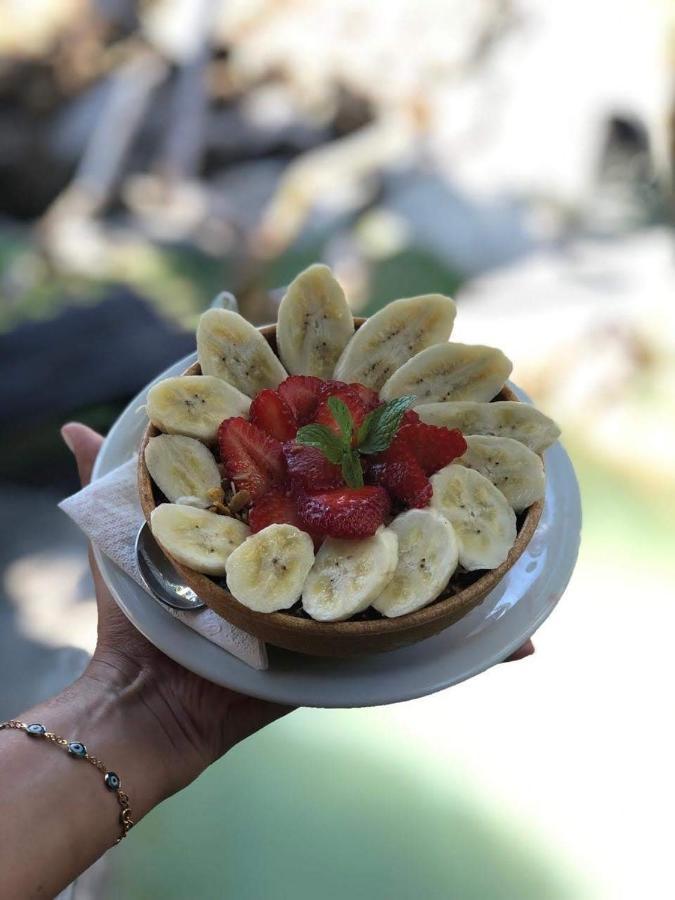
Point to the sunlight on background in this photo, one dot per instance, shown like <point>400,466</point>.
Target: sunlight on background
<point>515,154</point>
<point>69,616</point>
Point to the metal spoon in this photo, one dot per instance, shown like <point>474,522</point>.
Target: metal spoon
<point>160,577</point>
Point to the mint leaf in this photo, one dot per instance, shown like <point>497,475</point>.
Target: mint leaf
<point>323,439</point>
<point>351,469</point>
<point>343,417</point>
<point>379,427</point>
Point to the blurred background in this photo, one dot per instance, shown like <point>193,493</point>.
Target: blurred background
<point>515,154</point>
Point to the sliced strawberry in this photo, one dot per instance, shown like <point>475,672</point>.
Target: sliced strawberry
<point>277,508</point>
<point>330,387</point>
<point>273,507</point>
<point>399,472</point>
<point>433,446</point>
<point>367,396</point>
<point>309,470</point>
<point>410,417</point>
<point>344,513</point>
<point>253,460</point>
<point>272,413</point>
<point>302,393</point>
<point>358,411</point>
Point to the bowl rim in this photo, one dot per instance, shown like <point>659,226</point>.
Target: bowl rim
<point>450,607</point>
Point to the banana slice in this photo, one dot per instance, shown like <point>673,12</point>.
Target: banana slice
<point>183,469</point>
<point>503,418</point>
<point>194,405</point>
<point>268,570</point>
<point>394,334</point>
<point>428,553</point>
<point>450,372</point>
<point>511,466</point>
<point>314,323</point>
<point>197,538</point>
<point>230,348</point>
<point>484,522</point>
<point>348,575</point>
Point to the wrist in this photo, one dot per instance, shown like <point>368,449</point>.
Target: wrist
<point>153,741</point>
<point>79,816</point>
<point>111,712</point>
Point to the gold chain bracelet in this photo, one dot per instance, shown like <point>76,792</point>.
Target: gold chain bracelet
<point>78,750</point>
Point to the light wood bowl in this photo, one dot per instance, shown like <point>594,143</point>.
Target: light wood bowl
<point>355,636</point>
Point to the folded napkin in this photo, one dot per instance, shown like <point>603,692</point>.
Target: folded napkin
<point>109,513</point>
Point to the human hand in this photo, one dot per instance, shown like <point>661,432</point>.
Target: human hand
<point>199,719</point>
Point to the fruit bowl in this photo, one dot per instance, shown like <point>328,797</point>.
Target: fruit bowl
<point>368,633</point>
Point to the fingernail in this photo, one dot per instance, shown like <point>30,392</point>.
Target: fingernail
<point>66,439</point>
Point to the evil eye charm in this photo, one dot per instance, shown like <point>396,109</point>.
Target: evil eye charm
<point>112,781</point>
<point>76,748</point>
<point>35,729</point>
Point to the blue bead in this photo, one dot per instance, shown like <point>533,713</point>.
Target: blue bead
<point>35,729</point>
<point>112,781</point>
<point>77,748</point>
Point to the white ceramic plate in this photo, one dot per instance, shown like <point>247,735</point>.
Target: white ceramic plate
<point>490,633</point>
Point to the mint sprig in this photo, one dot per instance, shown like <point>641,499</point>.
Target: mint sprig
<point>376,433</point>
<point>325,440</point>
<point>351,468</point>
<point>379,427</point>
<point>343,417</point>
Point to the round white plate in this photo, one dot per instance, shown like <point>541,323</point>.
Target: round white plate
<point>490,633</point>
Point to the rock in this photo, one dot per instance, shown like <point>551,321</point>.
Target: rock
<point>87,355</point>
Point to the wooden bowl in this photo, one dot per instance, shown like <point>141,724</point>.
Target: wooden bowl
<point>355,636</point>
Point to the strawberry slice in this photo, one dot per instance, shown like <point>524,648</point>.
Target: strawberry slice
<point>367,396</point>
<point>432,446</point>
<point>410,417</point>
<point>273,507</point>
<point>277,508</point>
<point>400,473</point>
<point>344,513</point>
<point>253,460</point>
<point>302,393</point>
<point>309,470</point>
<point>273,414</point>
<point>330,387</point>
<point>358,411</point>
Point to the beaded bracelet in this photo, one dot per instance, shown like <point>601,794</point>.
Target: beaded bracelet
<point>79,751</point>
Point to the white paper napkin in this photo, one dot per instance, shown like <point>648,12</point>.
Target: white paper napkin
<point>108,511</point>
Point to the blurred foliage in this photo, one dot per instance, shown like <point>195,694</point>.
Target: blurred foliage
<point>179,280</point>
<point>281,270</point>
<point>410,272</point>
<point>31,290</point>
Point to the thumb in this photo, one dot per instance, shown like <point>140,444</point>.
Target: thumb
<point>84,444</point>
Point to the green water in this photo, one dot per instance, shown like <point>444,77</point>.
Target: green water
<point>329,804</point>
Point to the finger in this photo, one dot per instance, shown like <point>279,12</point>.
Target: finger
<point>526,650</point>
<point>84,443</point>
